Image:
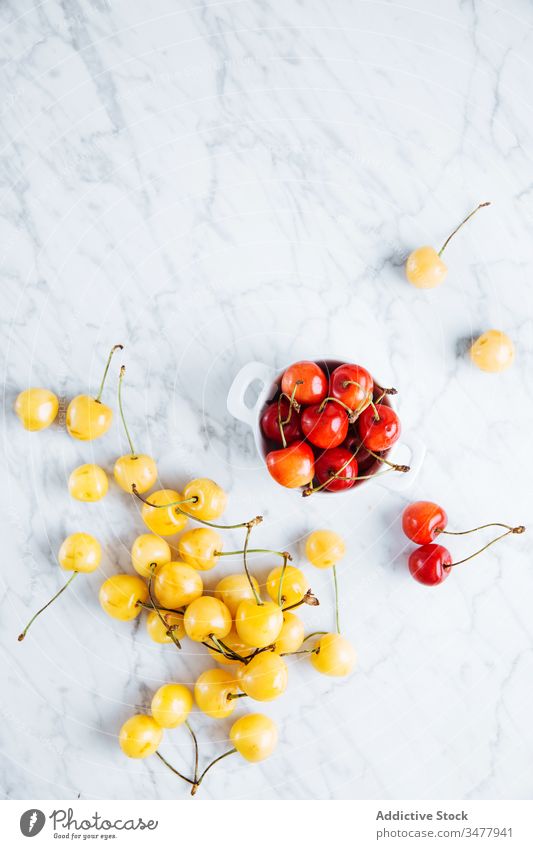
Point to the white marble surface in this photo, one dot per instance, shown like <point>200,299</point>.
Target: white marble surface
<point>211,183</point>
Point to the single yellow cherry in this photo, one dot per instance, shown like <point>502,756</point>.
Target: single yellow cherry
<point>80,553</point>
<point>324,549</point>
<point>493,351</point>
<point>88,483</point>
<point>120,596</point>
<point>258,625</point>
<point>212,691</point>
<point>293,588</point>
<point>158,630</point>
<point>334,655</point>
<point>177,584</point>
<point>87,418</point>
<point>171,705</point>
<point>148,550</point>
<point>265,677</point>
<point>140,736</point>
<point>231,641</point>
<point>165,521</point>
<point>291,635</point>
<point>133,470</point>
<point>206,616</point>
<point>137,470</point>
<point>232,589</point>
<point>255,736</point>
<point>210,498</point>
<point>424,267</point>
<point>200,547</point>
<point>36,408</point>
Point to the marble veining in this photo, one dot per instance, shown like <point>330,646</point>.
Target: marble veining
<point>210,183</point>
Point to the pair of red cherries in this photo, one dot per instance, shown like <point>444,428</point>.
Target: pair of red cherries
<point>310,419</point>
<point>431,563</point>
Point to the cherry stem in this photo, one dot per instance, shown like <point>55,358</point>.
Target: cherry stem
<point>308,598</point>
<point>282,575</point>
<point>244,557</point>
<point>480,528</point>
<point>250,523</point>
<point>169,632</point>
<point>110,357</point>
<point>292,403</point>
<point>468,217</point>
<point>301,651</point>
<point>164,609</point>
<point>120,380</point>
<point>174,770</point>
<point>283,554</point>
<point>197,783</point>
<point>397,467</point>
<point>195,741</point>
<point>352,415</point>
<point>225,650</point>
<point>314,634</point>
<point>336,585</point>
<point>384,392</point>
<point>48,603</point>
<point>518,530</point>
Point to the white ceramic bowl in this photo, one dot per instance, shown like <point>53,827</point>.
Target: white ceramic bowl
<point>408,450</point>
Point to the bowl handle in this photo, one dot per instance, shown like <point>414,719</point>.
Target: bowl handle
<point>416,452</point>
<point>243,380</point>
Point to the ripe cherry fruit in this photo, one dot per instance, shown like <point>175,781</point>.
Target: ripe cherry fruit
<point>422,521</point>
<point>336,469</point>
<point>379,427</point>
<point>307,381</point>
<point>430,564</point>
<point>293,466</point>
<point>352,385</point>
<point>325,425</point>
<point>87,418</point>
<point>270,422</point>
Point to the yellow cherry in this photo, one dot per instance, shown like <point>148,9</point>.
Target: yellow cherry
<point>291,635</point>
<point>493,351</point>
<point>255,736</point>
<point>258,625</point>
<point>265,677</point>
<point>324,549</point>
<point>88,483</point>
<point>120,594</point>
<point>424,267</point>
<point>87,418</point>
<point>334,655</point>
<point>206,616</point>
<point>133,470</point>
<point>36,408</point>
<point>177,584</point>
<point>80,553</point>
<point>212,690</point>
<point>199,548</point>
<point>140,736</point>
<point>165,521</point>
<point>294,585</point>
<point>158,631</point>
<point>149,550</point>
<point>137,470</point>
<point>171,705</point>
<point>210,498</point>
<point>232,589</point>
<point>231,641</point>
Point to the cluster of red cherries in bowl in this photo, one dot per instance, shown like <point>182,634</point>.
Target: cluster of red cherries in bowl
<point>328,428</point>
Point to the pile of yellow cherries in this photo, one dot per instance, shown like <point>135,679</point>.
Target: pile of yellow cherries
<point>493,351</point>
<point>248,636</point>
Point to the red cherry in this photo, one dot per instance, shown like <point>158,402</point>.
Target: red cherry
<point>422,520</point>
<point>352,385</point>
<point>325,427</point>
<point>380,432</point>
<point>293,466</point>
<point>333,462</point>
<point>314,385</point>
<point>430,564</point>
<point>270,424</point>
